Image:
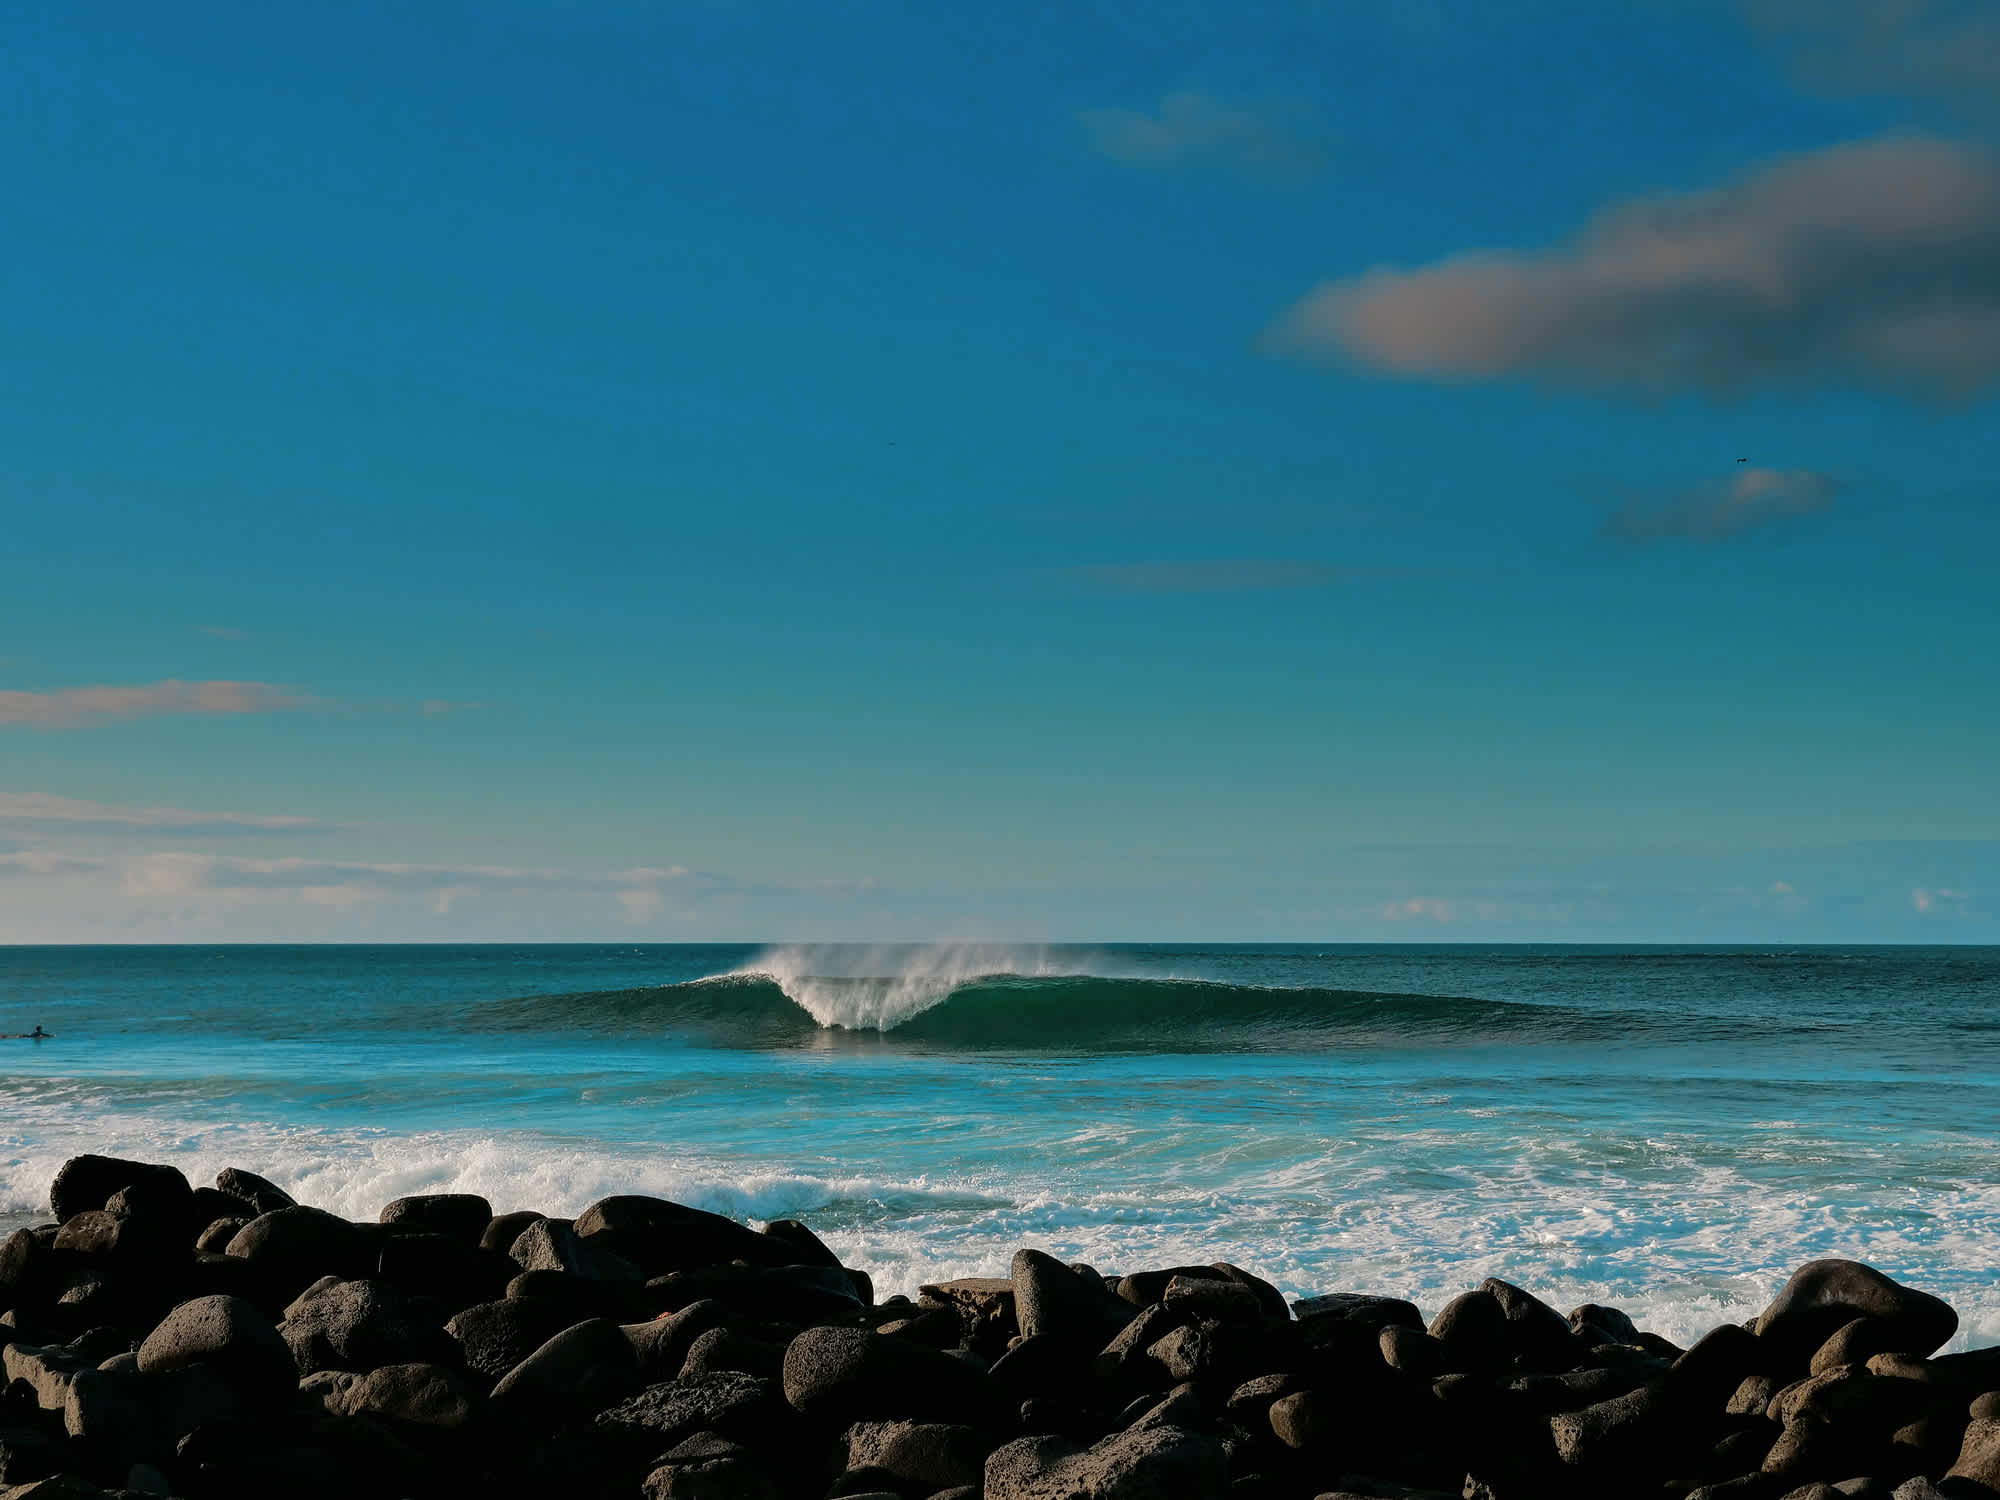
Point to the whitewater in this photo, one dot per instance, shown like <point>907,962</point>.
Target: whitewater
<point>1665,1130</point>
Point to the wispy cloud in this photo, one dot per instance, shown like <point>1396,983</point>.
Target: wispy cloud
<point>1947,48</point>
<point>1877,262</point>
<point>38,810</point>
<point>1272,140</point>
<point>1753,499</point>
<point>1216,575</point>
<point>74,708</point>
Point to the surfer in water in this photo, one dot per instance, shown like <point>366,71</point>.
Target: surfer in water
<point>37,1035</point>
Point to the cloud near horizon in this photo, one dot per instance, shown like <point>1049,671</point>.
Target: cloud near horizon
<point>1877,262</point>
<point>1948,48</point>
<point>1274,141</point>
<point>76,708</point>
<point>42,810</point>
<point>1752,499</point>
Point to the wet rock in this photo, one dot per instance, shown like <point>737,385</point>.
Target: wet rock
<point>1823,1295</point>
<point>461,1216</point>
<point>1164,1463</point>
<point>84,1183</point>
<point>359,1325</point>
<point>856,1375</point>
<point>659,1236</point>
<point>230,1335</point>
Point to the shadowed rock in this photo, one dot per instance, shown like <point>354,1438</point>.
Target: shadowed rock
<point>1824,1295</point>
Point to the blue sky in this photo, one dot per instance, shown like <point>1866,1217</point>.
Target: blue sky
<point>610,469</point>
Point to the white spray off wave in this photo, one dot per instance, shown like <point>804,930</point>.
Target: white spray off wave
<point>863,988</point>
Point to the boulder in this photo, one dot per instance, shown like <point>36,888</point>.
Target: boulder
<point>215,1238</point>
<point>1356,1307</point>
<point>501,1232</point>
<point>359,1325</point>
<point>493,1337</point>
<point>1824,1295</point>
<point>1050,1298</point>
<point>46,1372</point>
<point>662,1346</point>
<point>848,1375</point>
<point>932,1455</point>
<point>229,1335</point>
<point>1854,1343</point>
<point>87,1182</point>
<point>1413,1351</point>
<point>426,1397</point>
<point>659,1236</point>
<point>1537,1336</point>
<point>585,1368</point>
<point>722,1349</point>
<point>1594,1323</point>
<point>296,1246</point>
<point>1161,1463</point>
<point>739,1407</point>
<point>262,1195</point>
<point>801,1245</point>
<point>1978,1461</point>
<point>1474,1331</point>
<point>443,1266</point>
<point>462,1216</point>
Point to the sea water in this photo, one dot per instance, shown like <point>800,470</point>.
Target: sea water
<point>1667,1130</point>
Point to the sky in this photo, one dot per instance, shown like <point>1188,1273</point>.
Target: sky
<point>1338,470</point>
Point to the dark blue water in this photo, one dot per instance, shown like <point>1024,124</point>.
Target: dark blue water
<point>1670,1130</point>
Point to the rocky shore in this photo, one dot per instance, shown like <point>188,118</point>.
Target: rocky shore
<point>164,1339</point>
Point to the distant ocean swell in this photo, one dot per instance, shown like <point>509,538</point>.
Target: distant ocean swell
<point>1020,1012</point>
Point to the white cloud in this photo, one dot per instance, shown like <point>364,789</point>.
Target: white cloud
<point>1877,263</point>
<point>1272,140</point>
<point>73,708</point>
<point>39,809</point>
<point>1752,499</point>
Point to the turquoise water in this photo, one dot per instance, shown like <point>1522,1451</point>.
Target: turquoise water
<point>1667,1130</point>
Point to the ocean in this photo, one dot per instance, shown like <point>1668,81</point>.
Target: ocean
<point>1667,1130</point>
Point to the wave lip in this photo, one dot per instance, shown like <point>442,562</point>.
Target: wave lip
<point>880,988</point>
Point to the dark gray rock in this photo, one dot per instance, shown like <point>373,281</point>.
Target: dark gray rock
<point>493,1337</point>
<point>1163,1463</point>
<point>585,1368</point>
<point>1594,1323</point>
<point>1823,1295</point>
<point>663,1345</point>
<point>296,1246</point>
<point>1356,1307</point>
<point>443,1266</point>
<point>1537,1336</point>
<point>262,1195</point>
<point>87,1182</point>
<point>1050,1298</point>
<point>732,1476</point>
<point>800,1244</point>
<point>45,1371</point>
<point>1625,1433</point>
<point>934,1455</point>
<point>1211,1298</point>
<point>734,1406</point>
<point>1855,1343</point>
<point>215,1238</point>
<point>501,1232</point>
<point>359,1325</point>
<point>857,1375</point>
<point>1978,1461</point>
<point>230,1335</point>
<point>462,1216</point>
<point>1473,1329</point>
<point>1413,1351</point>
<point>1144,1288</point>
<point>659,1236</point>
<point>730,1349</point>
<point>427,1397</point>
